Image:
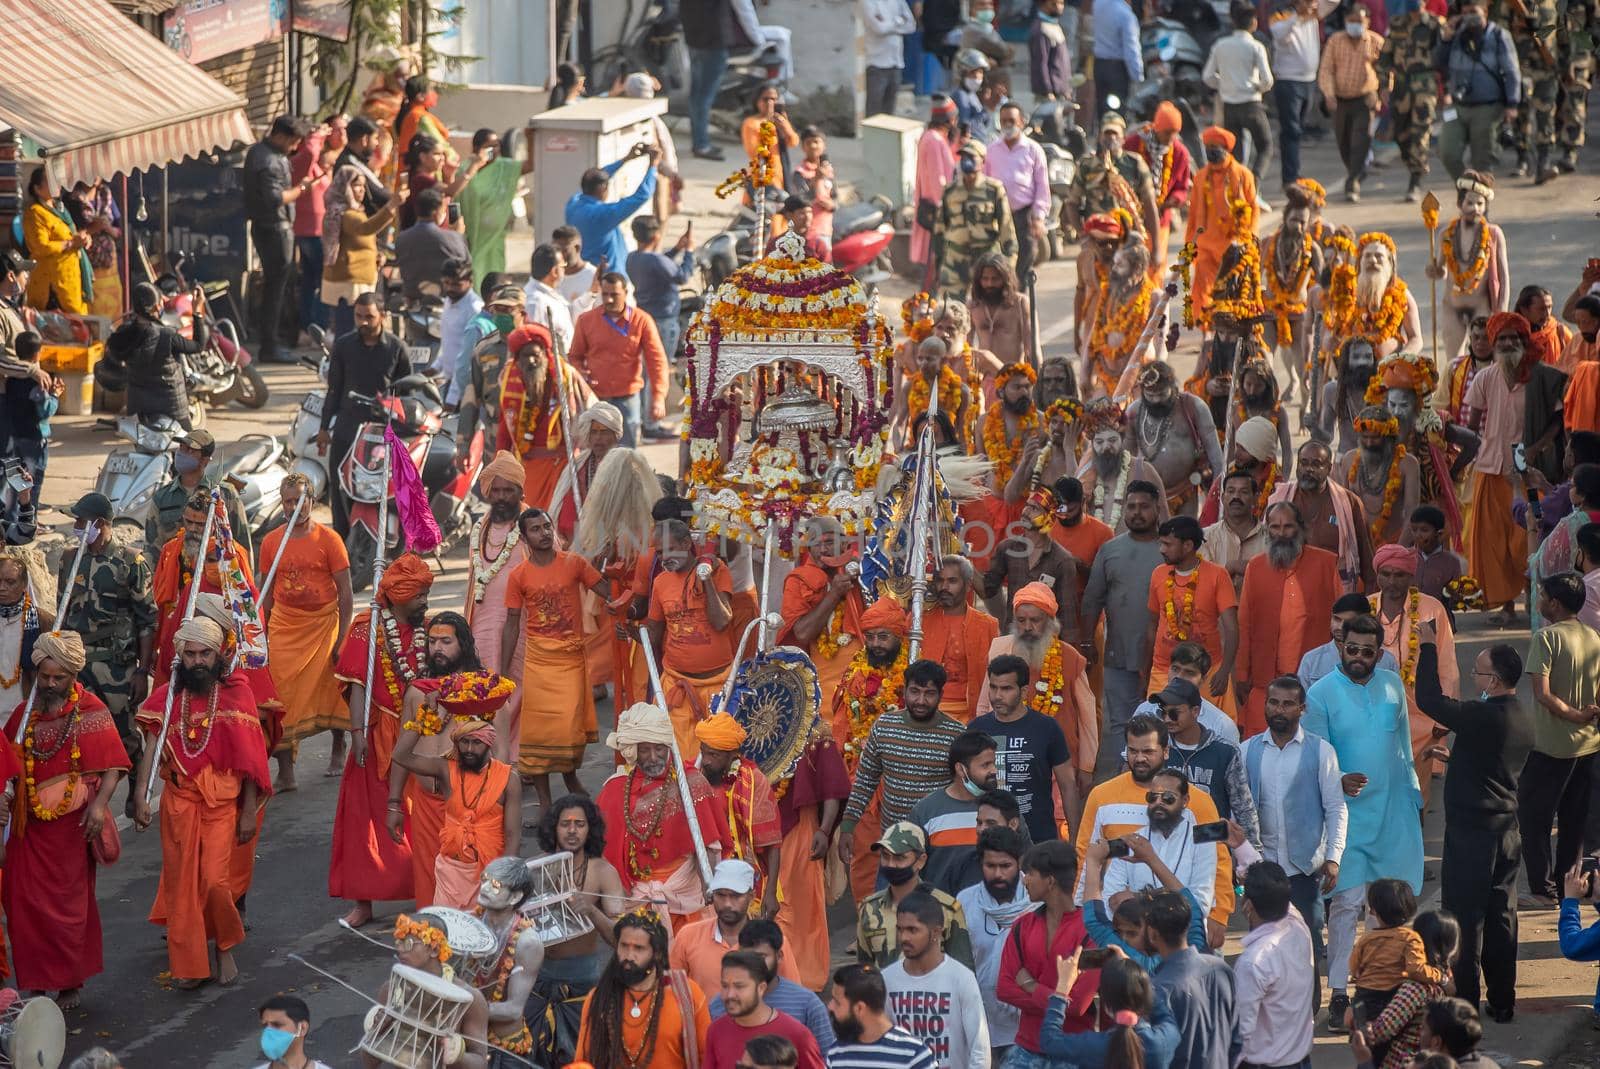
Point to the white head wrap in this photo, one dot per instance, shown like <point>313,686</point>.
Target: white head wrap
<point>202,630</point>
<point>604,413</point>
<point>640,722</point>
<point>1258,437</point>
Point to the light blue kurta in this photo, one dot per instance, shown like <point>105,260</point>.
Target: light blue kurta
<point>1370,732</point>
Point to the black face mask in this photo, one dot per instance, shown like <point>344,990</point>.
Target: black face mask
<point>1215,154</point>
<point>895,875</point>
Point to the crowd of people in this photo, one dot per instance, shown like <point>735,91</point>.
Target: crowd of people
<point>1185,668</point>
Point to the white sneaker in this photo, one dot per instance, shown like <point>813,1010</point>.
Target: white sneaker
<point>1262,206</point>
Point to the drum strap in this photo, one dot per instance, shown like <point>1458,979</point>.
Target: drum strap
<point>680,990</point>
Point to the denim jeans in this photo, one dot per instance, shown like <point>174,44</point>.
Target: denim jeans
<point>1292,98</point>
<point>630,407</point>
<point>706,67</point>
<point>1305,892</point>
<point>1250,116</point>
<point>344,319</point>
<point>310,303</point>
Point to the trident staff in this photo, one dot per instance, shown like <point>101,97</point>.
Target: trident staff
<point>372,612</point>
<point>288,531</point>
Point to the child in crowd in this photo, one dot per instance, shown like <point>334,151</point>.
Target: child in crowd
<point>1577,942</point>
<point>813,177</point>
<point>1390,953</point>
<point>1395,1035</point>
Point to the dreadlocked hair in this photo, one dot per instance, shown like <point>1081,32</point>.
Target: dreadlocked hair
<point>607,1050</point>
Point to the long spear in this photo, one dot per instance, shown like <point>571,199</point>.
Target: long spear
<point>373,610</point>
<point>277,558</point>
<point>700,855</point>
<point>188,614</point>
<point>561,399</point>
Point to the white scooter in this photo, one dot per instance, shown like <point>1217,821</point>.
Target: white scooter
<point>303,456</point>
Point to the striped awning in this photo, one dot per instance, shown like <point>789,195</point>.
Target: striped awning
<point>100,96</point>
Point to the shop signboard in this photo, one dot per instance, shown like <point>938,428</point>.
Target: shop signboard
<point>199,30</point>
<point>322,18</point>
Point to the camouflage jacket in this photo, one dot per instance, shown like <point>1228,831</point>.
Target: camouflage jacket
<point>975,221</point>
<point>1528,33</point>
<point>1092,191</point>
<point>1578,33</point>
<point>1405,66</point>
<point>111,603</point>
<point>877,943</point>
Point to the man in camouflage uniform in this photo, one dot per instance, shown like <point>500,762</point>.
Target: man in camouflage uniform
<point>1577,35</point>
<point>113,609</point>
<point>1535,35</point>
<point>189,461</point>
<point>974,220</point>
<point>1410,84</point>
<point>1113,178</point>
<point>876,940</point>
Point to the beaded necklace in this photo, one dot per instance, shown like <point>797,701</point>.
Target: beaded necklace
<point>32,755</point>
<point>189,733</point>
<point>648,835</point>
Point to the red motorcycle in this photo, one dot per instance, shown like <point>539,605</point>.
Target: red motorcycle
<point>224,372</point>
<point>862,232</point>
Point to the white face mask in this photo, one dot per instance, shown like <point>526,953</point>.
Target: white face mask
<point>1354,29</point>
<point>971,85</point>
<point>1010,133</point>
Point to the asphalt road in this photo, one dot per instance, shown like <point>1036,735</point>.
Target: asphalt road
<point>132,1008</point>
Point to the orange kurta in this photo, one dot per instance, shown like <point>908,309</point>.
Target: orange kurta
<point>1083,539</point>
<point>1397,639</point>
<point>1211,222</point>
<point>671,1033</point>
<point>960,643</point>
<point>558,718</point>
<point>1178,619</point>
<point>303,631</point>
<point>695,657</point>
<point>473,833</point>
<point>802,591</point>
<point>1282,616</point>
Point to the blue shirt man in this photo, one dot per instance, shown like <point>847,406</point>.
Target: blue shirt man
<point>599,221</point>
<point>1116,36</point>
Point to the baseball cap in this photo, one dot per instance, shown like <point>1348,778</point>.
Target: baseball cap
<point>733,875</point>
<point>92,506</point>
<point>902,837</point>
<point>1112,118</point>
<point>204,441</point>
<point>12,262</point>
<point>507,294</point>
<point>1178,692</point>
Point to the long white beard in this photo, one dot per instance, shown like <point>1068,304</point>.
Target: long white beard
<point>1370,287</point>
<point>1033,650</point>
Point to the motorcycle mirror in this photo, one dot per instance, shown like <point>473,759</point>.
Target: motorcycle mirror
<point>1168,53</point>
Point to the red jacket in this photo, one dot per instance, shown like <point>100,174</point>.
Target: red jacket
<point>1025,948</point>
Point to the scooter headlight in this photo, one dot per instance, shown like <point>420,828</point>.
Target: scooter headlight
<point>369,484</point>
<point>140,500</point>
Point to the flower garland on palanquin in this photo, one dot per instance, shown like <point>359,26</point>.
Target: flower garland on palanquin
<point>879,690</point>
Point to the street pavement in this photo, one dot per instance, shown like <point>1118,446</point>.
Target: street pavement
<point>132,1007</point>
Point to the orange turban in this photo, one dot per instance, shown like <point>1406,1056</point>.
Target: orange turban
<point>1216,135</point>
<point>529,332</point>
<point>1039,596</point>
<point>505,465</point>
<point>720,732</point>
<point>1403,557</point>
<point>407,578</point>
<point>1168,119</point>
<point>885,615</point>
<point>1501,322</point>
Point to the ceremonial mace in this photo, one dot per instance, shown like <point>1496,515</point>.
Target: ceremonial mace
<point>373,610</point>
<point>677,759</point>
<point>917,522</point>
<point>61,610</point>
<point>561,399</point>
<point>188,614</point>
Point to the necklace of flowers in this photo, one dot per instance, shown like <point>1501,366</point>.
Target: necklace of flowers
<point>834,635</point>
<point>29,755</point>
<point>1125,318</point>
<point>1408,668</point>
<point>1047,697</point>
<point>634,835</point>
<point>1347,320</point>
<point>1000,450</point>
<point>528,412</point>
<point>1267,486</point>
<point>1178,624</point>
<point>482,577</point>
<point>1115,516</point>
<point>1166,174</point>
<point>398,671</point>
<point>1285,299</point>
<point>1391,491</point>
<point>189,732</point>
<point>949,394</point>
<point>879,689</point>
<point>1466,280</point>
<point>30,619</point>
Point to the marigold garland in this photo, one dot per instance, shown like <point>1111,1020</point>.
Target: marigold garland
<point>759,172</point>
<point>69,737</point>
<point>427,722</point>
<point>1067,408</point>
<point>834,635</point>
<point>1469,278</point>
<point>1011,371</point>
<point>1408,666</point>
<point>1246,306</point>
<point>915,318</point>
<point>1047,696</point>
<point>949,393</point>
<point>1178,623</point>
<point>886,687</point>
<point>1185,271</point>
<point>1285,300</point>
<point>1391,491</point>
<point>1003,453</point>
<point>1464,593</point>
<point>1126,318</point>
<point>1344,319</point>
<point>424,933</point>
<point>1267,486</point>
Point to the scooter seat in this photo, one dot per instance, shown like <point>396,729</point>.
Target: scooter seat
<point>851,218</point>
<point>244,456</point>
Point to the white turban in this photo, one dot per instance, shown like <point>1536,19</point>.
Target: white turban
<point>201,630</point>
<point>1258,437</point>
<point>640,722</point>
<point>604,413</point>
<point>639,85</point>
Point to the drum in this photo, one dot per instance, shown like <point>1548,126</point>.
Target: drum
<point>33,1034</point>
<point>416,1027</point>
<point>470,940</point>
<point>552,902</point>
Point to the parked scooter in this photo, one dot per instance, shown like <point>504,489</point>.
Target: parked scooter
<point>1054,126</point>
<point>416,410</point>
<point>724,253</point>
<point>304,457</point>
<point>862,233</point>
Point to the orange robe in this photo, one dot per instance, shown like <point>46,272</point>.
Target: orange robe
<point>1397,635</point>
<point>1212,227</point>
<point>819,777</point>
<point>170,589</point>
<point>752,813</point>
<point>473,833</point>
<point>1282,616</point>
<point>680,1033</point>
<point>802,591</point>
<point>558,718</point>
<point>302,640</point>
<point>695,657</point>
<point>648,839</point>
<point>199,816</point>
<point>961,644</point>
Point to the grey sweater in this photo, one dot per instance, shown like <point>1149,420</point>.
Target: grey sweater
<point>1119,586</point>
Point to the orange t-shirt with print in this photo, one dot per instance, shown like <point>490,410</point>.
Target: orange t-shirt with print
<point>310,561</point>
<point>547,595</point>
<point>1213,595</point>
<point>691,645</point>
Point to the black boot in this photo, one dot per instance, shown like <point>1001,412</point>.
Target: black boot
<point>1568,162</point>
<point>1521,169</point>
<point>1546,168</point>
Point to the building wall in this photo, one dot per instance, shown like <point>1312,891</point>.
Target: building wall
<point>260,74</point>
<point>825,36</point>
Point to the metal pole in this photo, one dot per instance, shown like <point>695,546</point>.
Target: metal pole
<point>766,580</point>
<point>1033,316</point>
<point>773,621</point>
<point>188,614</point>
<point>277,558</point>
<point>561,399</point>
<point>1152,327</point>
<point>377,578</point>
<point>677,760</point>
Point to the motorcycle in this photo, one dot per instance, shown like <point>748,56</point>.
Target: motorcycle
<point>1064,143</point>
<point>415,409</point>
<point>223,372</point>
<point>656,45</point>
<point>862,233</point>
<point>255,465</point>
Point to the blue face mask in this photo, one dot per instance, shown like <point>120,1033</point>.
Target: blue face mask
<point>275,1043</point>
<point>183,463</point>
<point>984,17</point>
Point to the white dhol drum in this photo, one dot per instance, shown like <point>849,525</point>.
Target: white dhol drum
<point>474,945</point>
<point>416,1027</point>
<point>33,1034</point>
<point>552,903</point>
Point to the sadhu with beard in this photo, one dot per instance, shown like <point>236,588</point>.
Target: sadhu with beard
<point>957,634</point>
<point>1060,687</point>
<point>648,839</point>
<point>746,796</point>
<point>1103,234</point>
<point>214,764</point>
<point>1380,471</point>
<point>176,566</point>
<point>1120,310</point>
<point>872,687</point>
<point>1372,302</point>
<point>642,1014</point>
<point>1291,265</point>
<point>75,759</point>
<point>494,551</point>
<point>416,807</point>
<point>1516,402</point>
<point>483,800</point>
<point>1284,607</point>
<point>530,422</point>
<point>1175,432</point>
<point>690,610</point>
<point>1344,395</point>
<point>1113,468</point>
<point>367,864</point>
<point>822,604</point>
